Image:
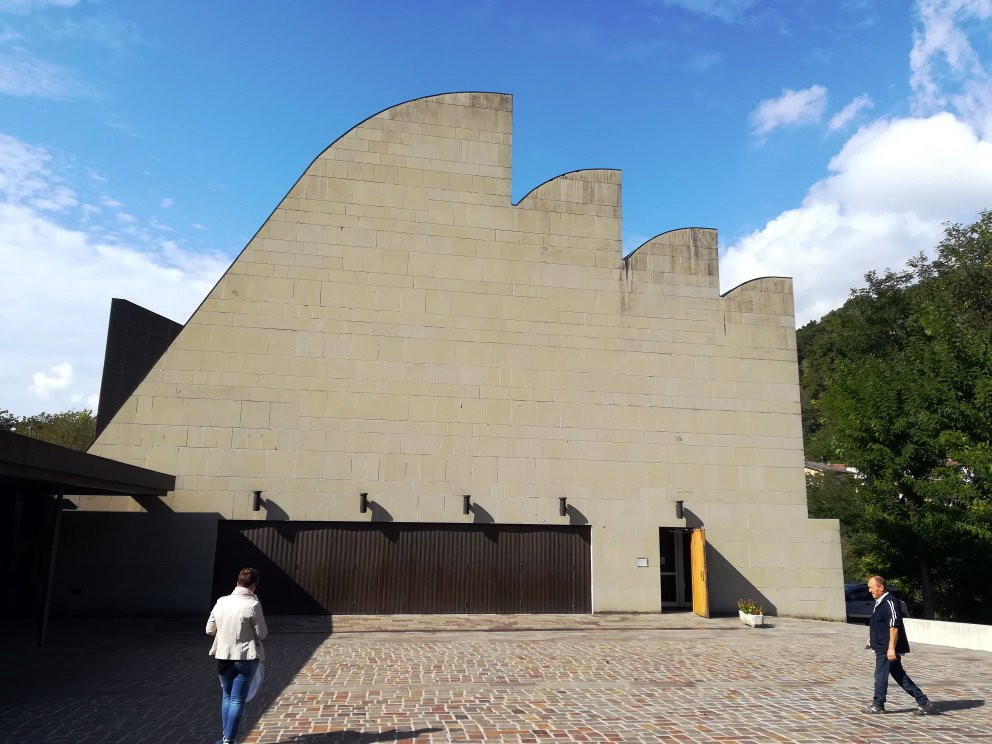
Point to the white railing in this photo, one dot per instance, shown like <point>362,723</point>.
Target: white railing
<point>955,635</point>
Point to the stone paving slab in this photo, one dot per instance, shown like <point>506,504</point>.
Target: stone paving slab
<point>520,679</point>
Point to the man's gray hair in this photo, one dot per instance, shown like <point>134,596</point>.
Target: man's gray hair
<point>880,580</point>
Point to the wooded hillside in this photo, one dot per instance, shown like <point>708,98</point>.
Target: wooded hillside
<point>898,384</point>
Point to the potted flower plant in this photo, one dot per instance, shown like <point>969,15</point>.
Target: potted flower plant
<point>751,612</point>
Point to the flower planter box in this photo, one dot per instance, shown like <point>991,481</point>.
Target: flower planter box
<point>753,620</point>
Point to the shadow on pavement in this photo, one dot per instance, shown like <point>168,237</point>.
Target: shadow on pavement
<point>136,680</point>
<point>946,706</point>
<point>360,737</point>
<point>943,706</point>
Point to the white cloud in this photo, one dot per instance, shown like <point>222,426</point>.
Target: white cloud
<point>895,182</point>
<point>891,187</point>
<point>166,202</point>
<point>792,108</point>
<point>44,385</point>
<point>60,274</point>
<point>724,10</point>
<point>936,166</point>
<point>117,122</point>
<point>27,6</point>
<point>104,28</point>
<point>827,249</point>
<point>24,75</point>
<point>25,177</point>
<point>847,114</point>
<point>945,69</point>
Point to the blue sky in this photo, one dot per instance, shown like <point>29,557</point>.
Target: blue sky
<point>142,144</point>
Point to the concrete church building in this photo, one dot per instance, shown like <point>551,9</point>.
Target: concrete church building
<point>409,394</point>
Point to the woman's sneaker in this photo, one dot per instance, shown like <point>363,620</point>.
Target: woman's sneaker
<point>925,708</point>
<point>873,708</point>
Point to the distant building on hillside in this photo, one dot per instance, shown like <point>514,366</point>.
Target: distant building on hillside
<point>819,468</point>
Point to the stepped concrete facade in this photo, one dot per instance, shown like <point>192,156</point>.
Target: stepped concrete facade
<point>399,327</point>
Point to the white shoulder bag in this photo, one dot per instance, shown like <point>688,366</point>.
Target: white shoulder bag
<point>256,681</point>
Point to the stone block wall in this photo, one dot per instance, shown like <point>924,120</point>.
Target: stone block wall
<point>399,327</point>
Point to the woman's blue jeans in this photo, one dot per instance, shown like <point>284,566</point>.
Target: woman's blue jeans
<point>235,677</point>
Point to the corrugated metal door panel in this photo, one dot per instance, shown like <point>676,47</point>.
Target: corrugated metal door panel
<point>562,559</point>
<point>309,547</point>
<point>308,573</point>
<point>554,569</point>
<point>341,564</point>
<point>366,581</point>
<point>537,576</point>
<point>391,580</point>
<point>506,576</point>
<point>271,548</point>
<point>318,548</point>
<point>479,562</point>
<point>421,574</point>
<point>431,594</point>
<point>451,577</point>
<point>381,568</point>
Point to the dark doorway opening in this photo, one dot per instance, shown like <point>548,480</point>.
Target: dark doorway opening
<point>675,565</point>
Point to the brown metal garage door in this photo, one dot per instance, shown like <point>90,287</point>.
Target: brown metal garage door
<point>385,568</point>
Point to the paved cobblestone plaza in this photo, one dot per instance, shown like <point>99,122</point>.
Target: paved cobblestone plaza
<point>524,678</point>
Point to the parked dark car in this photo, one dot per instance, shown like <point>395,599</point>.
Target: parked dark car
<point>860,603</point>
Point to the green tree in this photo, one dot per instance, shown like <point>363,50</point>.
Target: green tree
<point>838,496</point>
<point>870,322</point>
<point>908,401</point>
<point>75,429</point>
<point>7,420</point>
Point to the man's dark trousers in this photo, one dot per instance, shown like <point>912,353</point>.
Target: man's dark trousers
<point>883,668</point>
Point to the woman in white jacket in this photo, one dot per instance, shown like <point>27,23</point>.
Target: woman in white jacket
<point>238,627</point>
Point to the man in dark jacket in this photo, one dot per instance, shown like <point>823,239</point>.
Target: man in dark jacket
<point>887,638</point>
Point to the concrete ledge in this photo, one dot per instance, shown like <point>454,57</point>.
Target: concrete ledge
<point>955,635</point>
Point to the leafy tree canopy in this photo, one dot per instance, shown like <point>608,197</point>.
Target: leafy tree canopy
<point>75,429</point>
<point>7,420</point>
<point>898,383</point>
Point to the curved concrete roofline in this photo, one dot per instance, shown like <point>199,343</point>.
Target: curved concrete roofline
<point>519,201</point>
<point>390,108</point>
<point>298,179</point>
<point>316,158</point>
<point>752,281</point>
<point>666,232</point>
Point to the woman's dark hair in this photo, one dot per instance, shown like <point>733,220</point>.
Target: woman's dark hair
<point>248,577</point>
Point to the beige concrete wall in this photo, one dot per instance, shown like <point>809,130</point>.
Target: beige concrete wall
<point>398,327</point>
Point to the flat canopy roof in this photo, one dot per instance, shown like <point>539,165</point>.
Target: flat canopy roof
<point>30,466</point>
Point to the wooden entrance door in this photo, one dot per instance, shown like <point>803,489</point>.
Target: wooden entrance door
<point>700,595</point>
